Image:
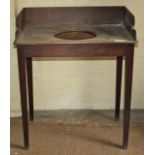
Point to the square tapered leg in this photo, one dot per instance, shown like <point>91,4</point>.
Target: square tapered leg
<point>22,79</point>
<point>127,99</point>
<point>118,86</point>
<point>30,87</point>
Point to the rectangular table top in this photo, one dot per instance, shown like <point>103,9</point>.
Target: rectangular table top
<point>107,33</point>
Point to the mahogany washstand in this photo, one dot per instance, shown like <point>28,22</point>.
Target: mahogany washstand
<point>75,32</point>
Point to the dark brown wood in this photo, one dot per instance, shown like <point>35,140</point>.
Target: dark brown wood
<point>74,50</point>
<point>118,86</point>
<point>23,89</point>
<point>30,87</point>
<point>20,21</point>
<point>127,99</point>
<point>113,36</point>
<point>83,15</point>
<point>129,22</point>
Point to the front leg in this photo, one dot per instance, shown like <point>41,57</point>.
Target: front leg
<point>30,87</point>
<point>127,100</point>
<point>23,95</point>
<point>118,86</point>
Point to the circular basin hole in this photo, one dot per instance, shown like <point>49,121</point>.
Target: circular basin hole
<point>75,35</point>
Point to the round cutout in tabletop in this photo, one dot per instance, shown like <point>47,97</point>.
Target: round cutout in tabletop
<point>75,35</point>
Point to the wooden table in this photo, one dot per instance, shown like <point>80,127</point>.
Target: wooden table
<point>75,32</point>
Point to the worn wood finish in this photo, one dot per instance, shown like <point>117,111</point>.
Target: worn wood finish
<point>118,86</point>
<point>110,24</point>
<point>107,33</point>
<point>36,28</point>
<point>75,35</point>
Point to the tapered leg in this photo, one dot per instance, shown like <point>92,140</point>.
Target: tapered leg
<point>128,86</point>
<point>22,79</point>
<point>30,87</point>
<point>118,86</point>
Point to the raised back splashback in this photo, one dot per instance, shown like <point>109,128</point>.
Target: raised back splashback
<point>73,15</point>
